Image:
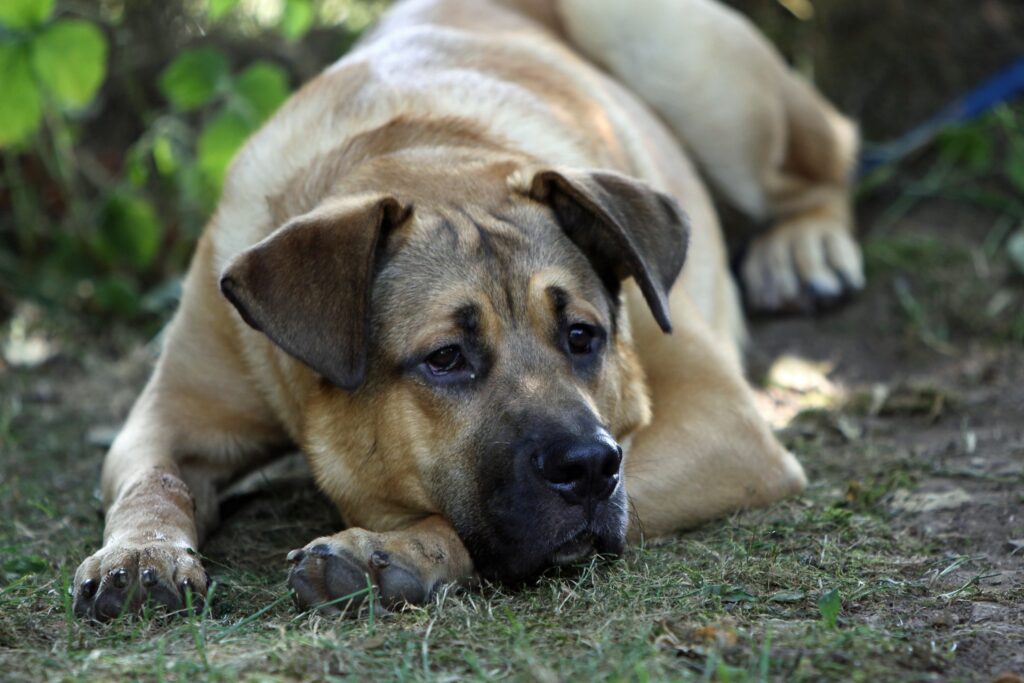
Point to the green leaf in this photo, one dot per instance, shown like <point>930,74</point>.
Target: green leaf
<point>70,59</point>
<point>829,605</point>
<point>219,142</point>
<point>263,87</point>
<point>20,106</point>
<point>738,595</point>
<point>729,593</point>
<point>1015,250</point>
<point>164,155</point>
<point>218,9</point>
<point>296,19</point>
<point>1015,163</point>
<point>136,168</point>
<point>129,232</point>
<point>25,13</point>
<point>193,78</point>
<point>969,146</point>
<point>196,190</point>
<point>786,596</point>
<point>117,294</point>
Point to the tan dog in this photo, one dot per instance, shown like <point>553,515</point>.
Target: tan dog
<point>430,288</point>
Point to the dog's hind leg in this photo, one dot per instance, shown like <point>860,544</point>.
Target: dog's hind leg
<point>197,423</point>
<point>770,144</point>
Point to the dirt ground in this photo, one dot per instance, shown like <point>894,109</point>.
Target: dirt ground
<point>906,407</point>
<point>936,427</point>
<point>940,449</point>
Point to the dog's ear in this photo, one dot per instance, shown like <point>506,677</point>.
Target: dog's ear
<point>625,227</point>
<point>307,286</point>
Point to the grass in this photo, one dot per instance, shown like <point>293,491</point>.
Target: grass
<point>606,621</point>
<point>738,600</point>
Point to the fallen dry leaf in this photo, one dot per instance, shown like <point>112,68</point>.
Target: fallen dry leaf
<point>906,501</point>
<point>696,641</point>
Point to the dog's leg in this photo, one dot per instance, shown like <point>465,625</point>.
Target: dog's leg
<point>768,141</point>
<point>197,423</point>
<point>335,572</point>
<point>707,451</point>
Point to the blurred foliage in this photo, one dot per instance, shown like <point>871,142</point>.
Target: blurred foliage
<point>988,158</point>
<point>969,271</point>
<point>985,159</point>
<point>118,122</point>
<point>44,62</point>
<point>982,162</point>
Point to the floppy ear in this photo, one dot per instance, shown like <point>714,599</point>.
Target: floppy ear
<point>307,286</point>
<point>625,227</point>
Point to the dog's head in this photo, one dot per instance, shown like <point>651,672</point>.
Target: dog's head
<point>476,359</point>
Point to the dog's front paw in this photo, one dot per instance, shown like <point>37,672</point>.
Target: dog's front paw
<point>808,263</point>
<point>336,574</point>
<point>121,578</point>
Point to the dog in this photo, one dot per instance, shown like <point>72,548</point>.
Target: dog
<point>447,270</point>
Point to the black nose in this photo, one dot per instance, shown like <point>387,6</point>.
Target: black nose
<point>581,470</point>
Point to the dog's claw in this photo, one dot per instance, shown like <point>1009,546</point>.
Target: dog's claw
<point>807,264</point>
<point>119,578</point>
<point>122,579</point>
<point>379,559</point>
<point>149,577</point>
<point>337,577</point>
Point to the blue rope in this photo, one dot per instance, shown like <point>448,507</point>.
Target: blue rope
<point>1000,88</point>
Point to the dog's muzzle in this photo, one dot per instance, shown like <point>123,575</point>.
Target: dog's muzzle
<point>552,495</point>
<point>583,472</point>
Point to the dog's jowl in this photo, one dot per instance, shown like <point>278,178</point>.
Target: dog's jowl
<point>481,286</point>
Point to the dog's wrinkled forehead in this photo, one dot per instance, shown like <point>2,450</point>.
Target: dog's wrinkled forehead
<point>462,260</point>
<point>318,285</point>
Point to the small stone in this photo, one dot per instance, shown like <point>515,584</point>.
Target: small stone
<point>987,611</point>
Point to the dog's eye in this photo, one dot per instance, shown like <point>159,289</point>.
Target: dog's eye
<point>581,339</point>
<point>446,360</point>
